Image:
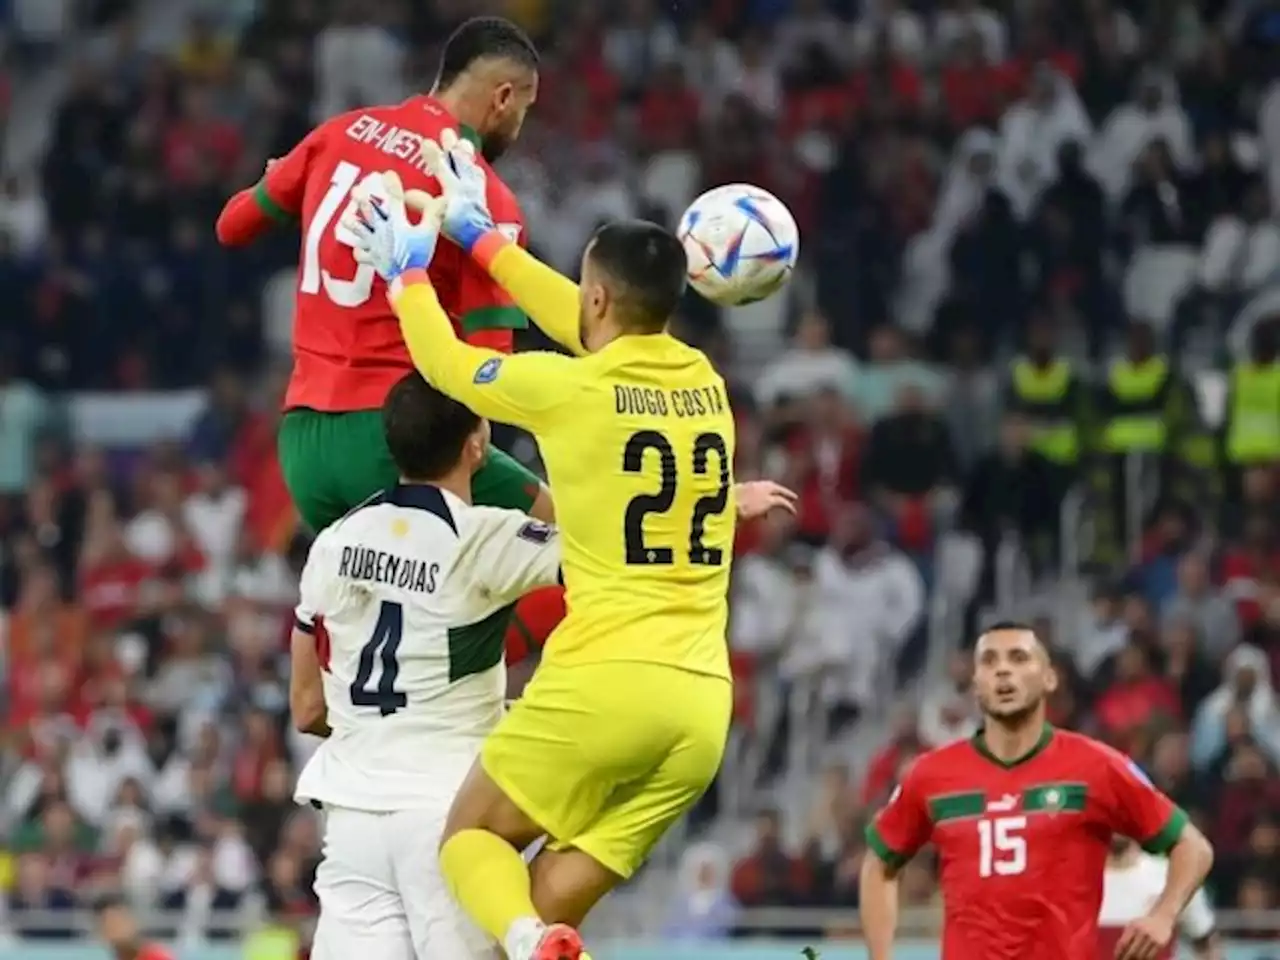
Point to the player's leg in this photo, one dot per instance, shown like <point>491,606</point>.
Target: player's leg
<point>575,872</point>
<point>502,481</point>
<point>361,912</point>
<point>333,461</point>
<point>439,927</point>
<point>534,777</point>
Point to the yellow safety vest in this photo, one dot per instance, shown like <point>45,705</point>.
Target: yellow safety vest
<point>1042,395</point>
<point>1137,394</point>
<point>1253,422</point>
<point>272,943</point>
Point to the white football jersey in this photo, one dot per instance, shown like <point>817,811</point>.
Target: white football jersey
<point>1129,892</point>
<point>410,591</point>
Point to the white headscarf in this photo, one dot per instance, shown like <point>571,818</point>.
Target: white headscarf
<point>698,898</point>
<point>963,191</point>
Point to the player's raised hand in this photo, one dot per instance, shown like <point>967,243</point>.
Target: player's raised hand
<point>1145,938</point>
<point>385,238</point>
<point>758,497</point>
<point>463,187</point>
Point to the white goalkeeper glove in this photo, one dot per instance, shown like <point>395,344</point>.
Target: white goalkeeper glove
<point>453,163</point>
<point>385,238</point>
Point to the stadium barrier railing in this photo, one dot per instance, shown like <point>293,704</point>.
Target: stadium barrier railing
<point>789,924</point>
<point>627,950</point>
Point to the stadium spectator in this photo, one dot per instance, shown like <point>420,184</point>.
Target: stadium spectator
<point>768,876</point>
<point>1209,613</point>
<point>1153,114</point>
<point>1243,707</point>
<point>702,908</point>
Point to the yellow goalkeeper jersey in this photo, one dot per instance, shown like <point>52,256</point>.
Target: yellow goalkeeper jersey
<point>638,442</point>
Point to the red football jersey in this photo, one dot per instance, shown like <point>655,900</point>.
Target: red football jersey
<point>1022,846</point>
<point>347,347</point>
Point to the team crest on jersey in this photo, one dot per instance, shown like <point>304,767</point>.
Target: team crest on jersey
<point>488,371</point>
<point>535,531</point>
<point>1053,800</point>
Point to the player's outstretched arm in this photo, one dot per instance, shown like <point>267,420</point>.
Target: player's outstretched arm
<point>274,199</point>
<point>522,389</point>
<point>878,904</point>
<point>549,298</point>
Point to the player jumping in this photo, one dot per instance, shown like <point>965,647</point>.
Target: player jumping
<point>404,593</point>
<point>405,589</point>
<point>623,726</point>
<point>1022,816</point>
<point>347,347</point>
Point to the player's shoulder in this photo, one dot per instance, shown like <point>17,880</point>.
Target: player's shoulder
<point>477,522</point>
<point>942,762</point>
<point>1079,746</point>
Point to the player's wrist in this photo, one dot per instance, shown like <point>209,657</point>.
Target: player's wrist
<point>412,276</point>
<point>488,245</point>
<point>469,230</point>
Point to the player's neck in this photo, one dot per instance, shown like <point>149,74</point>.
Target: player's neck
<point>458,102</point>
<point>457,482</point>
<point>1009,743</point>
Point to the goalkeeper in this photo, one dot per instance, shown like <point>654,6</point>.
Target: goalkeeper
<point>624,724</point>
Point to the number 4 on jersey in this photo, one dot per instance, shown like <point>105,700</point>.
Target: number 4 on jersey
<point>384,644</point>
<point>1002,847</point>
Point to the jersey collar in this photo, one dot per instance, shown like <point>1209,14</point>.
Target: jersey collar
<point>464,131</point>
<point>421,496</point>
<point>980,744</point>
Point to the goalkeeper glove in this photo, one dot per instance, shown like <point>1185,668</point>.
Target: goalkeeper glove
<point>453,163</point>
<point>386,239</point>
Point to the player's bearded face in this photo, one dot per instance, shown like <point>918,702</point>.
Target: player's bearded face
<point>510,105</point>
<point>1011,678</point>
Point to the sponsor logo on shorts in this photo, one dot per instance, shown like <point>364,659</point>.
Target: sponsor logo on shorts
<point>488,371</point>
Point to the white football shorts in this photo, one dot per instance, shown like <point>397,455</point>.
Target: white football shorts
<point>381,893</point>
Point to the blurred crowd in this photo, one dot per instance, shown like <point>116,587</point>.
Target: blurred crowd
<point>994,197</point>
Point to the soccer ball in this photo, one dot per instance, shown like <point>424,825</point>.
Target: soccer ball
<point>741,242</point>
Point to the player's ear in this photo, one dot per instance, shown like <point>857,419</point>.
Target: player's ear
<point>1050,679</point>
<point>504,94</point>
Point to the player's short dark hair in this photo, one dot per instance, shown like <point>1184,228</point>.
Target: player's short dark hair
<point>424,429</point>
<point>1015,625</point>
<point>647,265</point>
<point>482,37</point>
<point>1009,625</point>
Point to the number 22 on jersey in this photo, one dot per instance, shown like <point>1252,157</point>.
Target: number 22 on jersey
<point>709,457</point>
